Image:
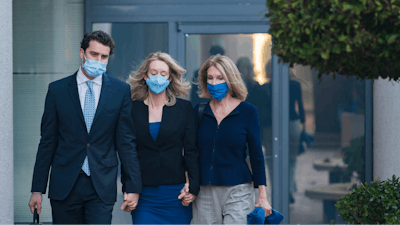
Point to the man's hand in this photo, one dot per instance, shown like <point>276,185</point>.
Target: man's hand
<point>36,200</point>
<point>130,202</point>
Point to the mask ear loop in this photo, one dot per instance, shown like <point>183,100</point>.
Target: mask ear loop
<point>149,98</point>
<point>84,57</point>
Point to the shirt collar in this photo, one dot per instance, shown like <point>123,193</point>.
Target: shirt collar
<point>81,78</point>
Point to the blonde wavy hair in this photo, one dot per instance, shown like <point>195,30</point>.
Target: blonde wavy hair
<point>230,73</point>
<point>178,87</point>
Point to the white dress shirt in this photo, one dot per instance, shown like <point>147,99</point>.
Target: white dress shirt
<point>82,87</point>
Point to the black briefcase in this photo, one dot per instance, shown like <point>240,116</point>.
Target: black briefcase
<point>36,218</point>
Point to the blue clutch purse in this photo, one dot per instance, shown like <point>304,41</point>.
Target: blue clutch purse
<point>258,217</point>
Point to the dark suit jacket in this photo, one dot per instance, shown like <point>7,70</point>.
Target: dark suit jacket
<point>65,141</point>
<point>162,161</point>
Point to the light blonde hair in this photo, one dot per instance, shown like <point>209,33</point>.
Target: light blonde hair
<point>178,87</point>
<point>230,73</point>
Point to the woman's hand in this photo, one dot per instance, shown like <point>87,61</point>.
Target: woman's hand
<point>185,188</point>
<point>263,202</point>
<point>130,202</point>
<point>184,191</point>
<point>189,198</point>
<point>186,196</point>
<point>265,205</point>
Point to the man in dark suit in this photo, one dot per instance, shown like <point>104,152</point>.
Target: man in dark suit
<point>86,120</point>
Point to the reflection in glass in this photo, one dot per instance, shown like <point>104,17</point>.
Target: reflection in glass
<point>332,112</point>
<point>252,55</point>
<point>133,43</point>
<point>46,41</point>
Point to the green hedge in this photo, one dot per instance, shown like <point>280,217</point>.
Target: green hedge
<point>347,37</point>
<point>377,203</point>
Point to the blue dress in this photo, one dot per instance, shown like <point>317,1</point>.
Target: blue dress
<point>160,204</point>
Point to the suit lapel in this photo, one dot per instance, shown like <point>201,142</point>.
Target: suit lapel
<point>73,92</point>
<point>105,89</point>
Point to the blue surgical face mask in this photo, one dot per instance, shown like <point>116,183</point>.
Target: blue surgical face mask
<point>94,68</point>
<point>218,91</point>
<point>157,83</point>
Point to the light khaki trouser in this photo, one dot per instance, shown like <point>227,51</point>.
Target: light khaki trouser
<point>223,204</point>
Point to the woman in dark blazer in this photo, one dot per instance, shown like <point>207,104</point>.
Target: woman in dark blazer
<point>165,124</point>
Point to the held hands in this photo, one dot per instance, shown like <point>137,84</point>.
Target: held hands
<point>186,195</point>
<point>36,200</point>
<point>263,202</point>
<point>130,202</point>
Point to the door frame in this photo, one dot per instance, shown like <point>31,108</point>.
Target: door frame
<point>280,120</point>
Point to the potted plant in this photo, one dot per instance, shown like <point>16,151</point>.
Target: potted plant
<point>377,203</point>
<point>354,157</point>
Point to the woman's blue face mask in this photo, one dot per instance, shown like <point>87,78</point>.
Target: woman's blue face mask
<point>218,91</point>
<point>157,83</point>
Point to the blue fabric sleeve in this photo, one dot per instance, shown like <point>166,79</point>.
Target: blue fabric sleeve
<point>191,153</point>
<point>48,144</point>
<point>255,149</point>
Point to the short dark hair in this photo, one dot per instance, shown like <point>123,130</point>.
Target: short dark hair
<point>99,36</point>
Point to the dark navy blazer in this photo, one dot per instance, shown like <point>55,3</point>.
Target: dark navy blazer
<point>65,142</point>
<point>161,161</point>
<point>223,147</point>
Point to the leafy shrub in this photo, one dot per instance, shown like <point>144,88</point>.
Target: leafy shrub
<point>377,203</point>
<point>348,37</point>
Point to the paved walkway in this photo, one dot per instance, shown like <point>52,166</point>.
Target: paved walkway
<point>306,210</point>
<point>303,211</point>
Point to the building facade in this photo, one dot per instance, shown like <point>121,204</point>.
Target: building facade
<point>41,40</point>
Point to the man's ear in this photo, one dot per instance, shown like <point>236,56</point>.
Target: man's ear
<point>81,53</point>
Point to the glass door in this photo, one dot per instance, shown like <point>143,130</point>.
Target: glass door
<point>249,47</point>
<point>332,112</point>
<point>252,55</point>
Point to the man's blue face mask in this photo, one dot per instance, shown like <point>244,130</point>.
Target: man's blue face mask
<point>218,91</point>
<point>157,83</point>
<point>94,68</point>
